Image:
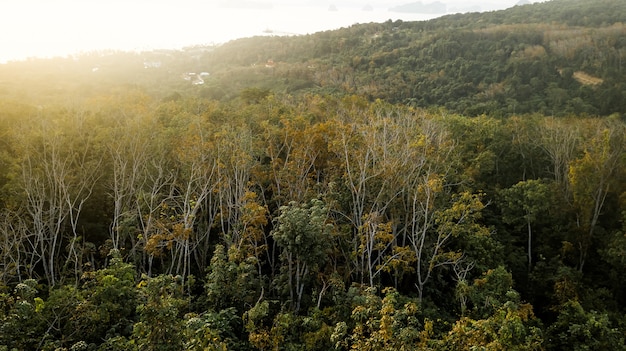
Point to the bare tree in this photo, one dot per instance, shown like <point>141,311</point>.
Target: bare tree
<point>59,168</point>
<point>374,147</point>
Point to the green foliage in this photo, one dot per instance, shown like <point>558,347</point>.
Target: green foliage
<point>525,201</point>
<point>577,329</point>
<point>512,326</point>
<point>462,182</point>
<point>490,292</point>
<point>303,231</point>
<point>256,321</point>
<point>106,303</point>
<point>303,234</point>
<point>23,324</point>
<point>230,282</point>
<point>162,303</point>
<point>254,95</point>
<point>390,323</point>
<point>534,58</point>
<point>211,331</point>
<point>118,343</point>
<point>102,308</point>
<point>524,204</point>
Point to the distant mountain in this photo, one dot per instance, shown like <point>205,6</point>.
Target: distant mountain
<point>419,7</point>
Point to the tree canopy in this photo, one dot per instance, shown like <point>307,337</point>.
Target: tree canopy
<point>310,205</point>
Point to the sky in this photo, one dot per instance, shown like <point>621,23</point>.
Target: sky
<point>49,28</point>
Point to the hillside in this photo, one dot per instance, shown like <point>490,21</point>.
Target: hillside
<point>519,60</point>
<point>555,58</point>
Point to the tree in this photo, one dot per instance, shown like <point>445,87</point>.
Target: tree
<point>525,202</point>
<point>303,235</point>
<point>15,240</point>
<point>513,326</point>
<point>59,166</point>
<point>375,148</point>
<point>22,325</point>
<point>195,184</point>
<point>499,321</point>
<point>160,324</point>
<point>149,202</point>
<point>231,281</point>
<point>299,156</point>
<point>241,214</point>
<point>431,239</point>
<point>560,141</point>
<point>592,178</point>
<point>111,298</point>
<point>131,153</point>
<point>577,329</point>
<point>390,323</point>
<point>434,215</point>
<point>210,331</point>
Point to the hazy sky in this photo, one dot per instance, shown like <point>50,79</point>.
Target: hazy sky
<point>31,28</point>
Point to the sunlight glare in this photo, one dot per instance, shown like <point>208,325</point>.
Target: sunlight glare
<point>45,28</point>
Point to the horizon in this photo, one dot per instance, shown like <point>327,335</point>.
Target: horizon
<point>66,28</point>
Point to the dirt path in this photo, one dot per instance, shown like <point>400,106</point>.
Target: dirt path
<point>586,79</point>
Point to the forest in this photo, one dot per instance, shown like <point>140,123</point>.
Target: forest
<point>555,58</point>
<point>282,206</point>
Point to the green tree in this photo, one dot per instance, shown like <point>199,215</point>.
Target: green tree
<point>512,326</point>
<point>576,329</point>
<point>523,204</point>
<point>231,281</point>
<point>212,331</point>
<point>592,178</point>
<point>499,321</point>
<point>111,298</point>
<point>303,234</point>
<point>431,241</point>
<point>161,307</point>
<point>390,323</point>
<point>22,324</point>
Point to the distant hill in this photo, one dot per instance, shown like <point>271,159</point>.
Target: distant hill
<point>524,59</point>
<point>555,58</point>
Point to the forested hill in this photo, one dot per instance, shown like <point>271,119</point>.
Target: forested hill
<point>555,58</point>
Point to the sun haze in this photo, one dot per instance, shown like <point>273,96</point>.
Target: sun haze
<point>46,28</point>
<point>51,28</point>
